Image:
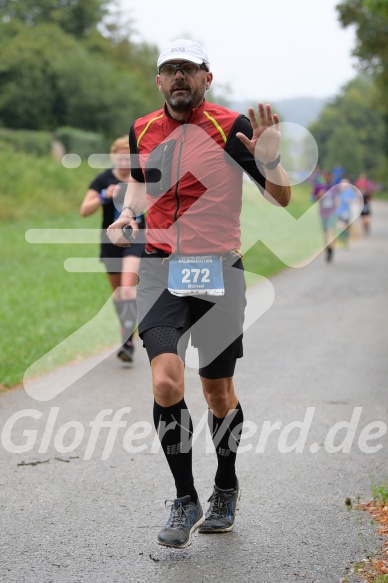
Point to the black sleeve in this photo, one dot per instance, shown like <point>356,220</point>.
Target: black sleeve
<point>136,171</point>
<point>236,150</point>
<point>103,180</point>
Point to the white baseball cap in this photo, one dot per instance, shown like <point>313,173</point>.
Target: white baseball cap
<point>183,49</point>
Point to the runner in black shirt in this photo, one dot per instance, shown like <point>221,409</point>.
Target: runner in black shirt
<point>121,263</point>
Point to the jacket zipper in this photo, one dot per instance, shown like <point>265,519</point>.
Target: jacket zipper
<point>162,166</point>
<point>176,188</point>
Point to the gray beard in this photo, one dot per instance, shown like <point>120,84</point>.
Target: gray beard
<point>185,102</point>
<point>180,102</point>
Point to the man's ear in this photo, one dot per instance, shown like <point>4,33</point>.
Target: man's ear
<point>158,84</point>
<point>209,79</point>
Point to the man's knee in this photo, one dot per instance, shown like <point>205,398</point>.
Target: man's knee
<point>167,379</point>
<point>219,395</point>
<point>166,390</point>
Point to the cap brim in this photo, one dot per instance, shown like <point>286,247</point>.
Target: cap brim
<point>180,56</point>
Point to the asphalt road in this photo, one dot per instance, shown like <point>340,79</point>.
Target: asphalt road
<point>83,505</point>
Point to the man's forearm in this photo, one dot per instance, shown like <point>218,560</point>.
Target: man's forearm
<point>277,185</point>
<point>135,196</point>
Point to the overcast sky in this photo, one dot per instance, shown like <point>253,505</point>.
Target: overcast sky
<point>272,49</point>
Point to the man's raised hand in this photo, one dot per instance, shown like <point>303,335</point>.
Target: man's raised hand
<point>265,142</point>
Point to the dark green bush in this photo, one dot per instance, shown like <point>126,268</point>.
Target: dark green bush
<point>33,142</point>
<point>81,142</point>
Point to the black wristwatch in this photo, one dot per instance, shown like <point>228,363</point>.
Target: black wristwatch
<point>274,164</point>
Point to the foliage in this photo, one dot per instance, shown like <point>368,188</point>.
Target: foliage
<point>351,128</point>
<point>33,142</point>
<point>75,17</point>
<point>378,6</point>
<point>81,142</point>
<point>370,18</point>
<point>343,147</point>
<point>220,93</point>
<point>43,304</point>
<point>38,187</point>
<point>52,77</point>
<point>380,492</point>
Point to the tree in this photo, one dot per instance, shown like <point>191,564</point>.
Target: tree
<point>378,6</point>
<point>355,114</point>
<point>49,79</point>
<point>75,17</point>
<point>371,20</point>
<point>28,98</point>
<point>343,147</point>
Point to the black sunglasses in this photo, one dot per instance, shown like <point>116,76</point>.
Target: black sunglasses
<point>170,69</point>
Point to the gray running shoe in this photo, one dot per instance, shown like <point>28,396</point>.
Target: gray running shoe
<point>126,352</point>
<point>185,517</point>
<point>222,510</point>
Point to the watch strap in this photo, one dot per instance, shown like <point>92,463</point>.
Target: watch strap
<point>272,165</point>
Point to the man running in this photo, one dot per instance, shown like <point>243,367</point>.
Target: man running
<point>188,174</point>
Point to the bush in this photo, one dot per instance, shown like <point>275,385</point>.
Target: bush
<point>30,141</point>
<point>81,142</point>
<point>34,187</point>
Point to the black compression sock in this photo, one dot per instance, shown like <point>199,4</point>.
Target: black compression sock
<point>226,435</point>
<point>175,430</point>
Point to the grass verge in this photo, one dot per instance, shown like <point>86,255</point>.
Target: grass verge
<point>375,570</point>
<point>42,304</point>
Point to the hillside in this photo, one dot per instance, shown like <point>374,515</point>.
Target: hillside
<point>302,111</point>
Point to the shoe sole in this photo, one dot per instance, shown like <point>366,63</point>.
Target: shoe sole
<point>124,357</point>
<point>205,530</point>
<point>188,542</point>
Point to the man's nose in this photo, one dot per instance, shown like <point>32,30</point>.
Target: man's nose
<point>181,73</point>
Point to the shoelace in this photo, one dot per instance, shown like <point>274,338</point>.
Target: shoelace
<point>178,516</point>
<point>219,502</point>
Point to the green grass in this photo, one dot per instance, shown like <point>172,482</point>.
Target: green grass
<point>381,196</point>
<point>380,492</point>
<point>272,237</point>
<point>42,304</point>
<point>39,187</point>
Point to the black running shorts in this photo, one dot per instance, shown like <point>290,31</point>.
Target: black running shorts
<point>112,256</point>
<point>213,323</point>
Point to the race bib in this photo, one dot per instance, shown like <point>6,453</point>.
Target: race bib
<point>195,275</point>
